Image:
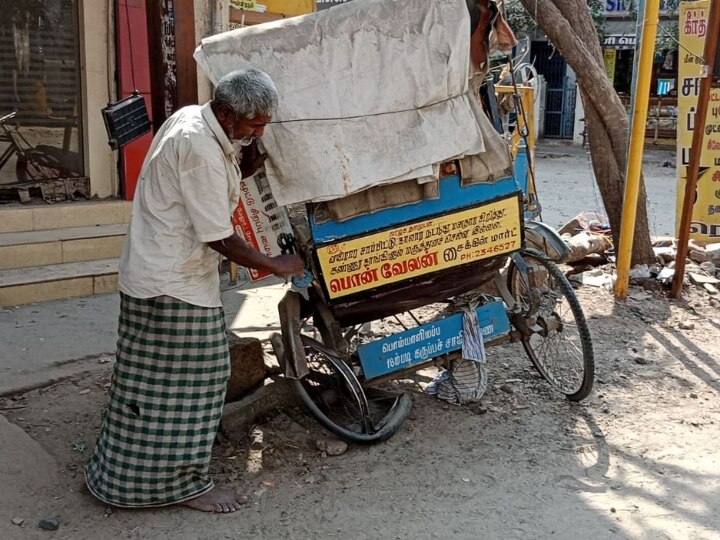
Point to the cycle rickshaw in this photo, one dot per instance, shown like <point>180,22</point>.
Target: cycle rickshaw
<point>442,250</point>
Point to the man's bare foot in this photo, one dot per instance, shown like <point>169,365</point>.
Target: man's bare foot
<point>219,500</point>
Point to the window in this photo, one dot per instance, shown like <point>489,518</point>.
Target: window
<point>41,135</point>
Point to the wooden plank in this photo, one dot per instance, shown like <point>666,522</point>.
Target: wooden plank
<point>157,69</point>
<point>184,48</point>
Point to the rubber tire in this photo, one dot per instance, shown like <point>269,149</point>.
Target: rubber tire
<point>585,339</point>
<point>393,420</point>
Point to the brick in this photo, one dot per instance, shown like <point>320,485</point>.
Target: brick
<point>247,366</point>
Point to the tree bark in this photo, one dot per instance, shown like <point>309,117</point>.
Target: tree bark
<point>569,26</point>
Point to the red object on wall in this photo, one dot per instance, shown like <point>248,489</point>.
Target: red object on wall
<point>133,60</point>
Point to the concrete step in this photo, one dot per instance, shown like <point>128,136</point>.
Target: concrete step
<point>56,246</point>
<point>17,218</point>
<point>26,285</point>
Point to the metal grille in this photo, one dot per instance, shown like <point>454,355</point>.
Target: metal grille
<point>560,93</point>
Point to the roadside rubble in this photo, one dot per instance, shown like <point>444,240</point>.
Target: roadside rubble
<point>592,259</point>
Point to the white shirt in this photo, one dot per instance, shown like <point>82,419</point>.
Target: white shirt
<point>188,189</point>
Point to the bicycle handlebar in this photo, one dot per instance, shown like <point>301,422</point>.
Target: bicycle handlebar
<point>7,117</point>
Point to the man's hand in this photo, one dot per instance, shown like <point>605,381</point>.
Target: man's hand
<point>239,251</point>
<point>288,266</point>
<point>252,159</point>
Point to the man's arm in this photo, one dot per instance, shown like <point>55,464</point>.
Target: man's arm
<point>251,159</point>
<point>239,251</point>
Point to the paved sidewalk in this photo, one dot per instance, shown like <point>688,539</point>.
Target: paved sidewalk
<point>48,341</point>
<point>566,184</point>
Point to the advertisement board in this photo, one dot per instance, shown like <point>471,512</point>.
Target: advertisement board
<point>705,223</point>
<point>261,222</point>
<point>421,247</point>
<point>430,340</point>
<point>610,60</point>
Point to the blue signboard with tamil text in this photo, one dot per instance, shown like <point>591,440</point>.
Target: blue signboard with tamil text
<point>419,344</point>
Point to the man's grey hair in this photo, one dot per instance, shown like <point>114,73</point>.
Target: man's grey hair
<point>248,92</point>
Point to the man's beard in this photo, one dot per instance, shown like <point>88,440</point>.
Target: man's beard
<point>245,141</point>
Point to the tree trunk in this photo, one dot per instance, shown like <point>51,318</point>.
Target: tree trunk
<point>569,26</point>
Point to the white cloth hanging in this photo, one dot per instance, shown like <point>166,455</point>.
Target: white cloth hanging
<point>370,92</point>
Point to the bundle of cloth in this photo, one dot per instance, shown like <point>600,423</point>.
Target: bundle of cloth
<point>374,94</point>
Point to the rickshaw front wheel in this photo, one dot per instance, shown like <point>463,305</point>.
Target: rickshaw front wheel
<point>333,394</point>
<point>557,338</point>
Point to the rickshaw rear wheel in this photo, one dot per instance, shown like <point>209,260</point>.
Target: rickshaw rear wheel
<point>334,395</point>
<point>557,338</point>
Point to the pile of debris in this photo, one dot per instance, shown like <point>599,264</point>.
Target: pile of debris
<point>592,258</point>
<point>702,267</point>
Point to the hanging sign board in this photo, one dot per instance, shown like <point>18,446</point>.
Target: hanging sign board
<point>610,60</point>
<point>705,224</point>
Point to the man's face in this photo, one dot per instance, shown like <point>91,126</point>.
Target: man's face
<point>240,129</point>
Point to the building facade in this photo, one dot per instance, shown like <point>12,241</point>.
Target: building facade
<point>63,61</point>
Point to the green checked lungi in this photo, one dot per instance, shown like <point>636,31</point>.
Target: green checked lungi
<point>166,400</point>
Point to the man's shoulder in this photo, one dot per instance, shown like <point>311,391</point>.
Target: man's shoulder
<point>189,120</point>
<point>192,130</point>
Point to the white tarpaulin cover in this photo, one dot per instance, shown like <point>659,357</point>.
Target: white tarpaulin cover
<point>370,92</point>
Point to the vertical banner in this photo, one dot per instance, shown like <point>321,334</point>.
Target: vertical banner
<point>261,222</point>
<point>167,16</point>
<point>609,59</point>
<point>705,225</point>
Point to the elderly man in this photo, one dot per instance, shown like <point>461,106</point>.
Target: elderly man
<point>173,361</point>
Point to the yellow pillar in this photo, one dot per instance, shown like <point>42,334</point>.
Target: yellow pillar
<point>637,141</point>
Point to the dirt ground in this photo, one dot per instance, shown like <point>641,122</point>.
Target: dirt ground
<point>637,459</point>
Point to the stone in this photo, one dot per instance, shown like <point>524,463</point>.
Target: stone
<point>697,252</point>
<point>18,521</point>
<point>332,447</point>
<point>586,243</point>
<point>239,416</point>
<point>666,274</point>
<point>49,524</point>
<point>686,325</point>
<point>708,267</point>
<point>698,256</point>
<point>596,278</point>
<point>710,288</point>
<point>571,227</point>
<point>700,279</point>
<point>479,409</point>
<point>640,271</point>
<point>713,251</point>
<point>641,360</point>
<point>247,367</point>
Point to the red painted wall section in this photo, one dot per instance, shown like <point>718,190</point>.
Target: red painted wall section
<point>133,74</point>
